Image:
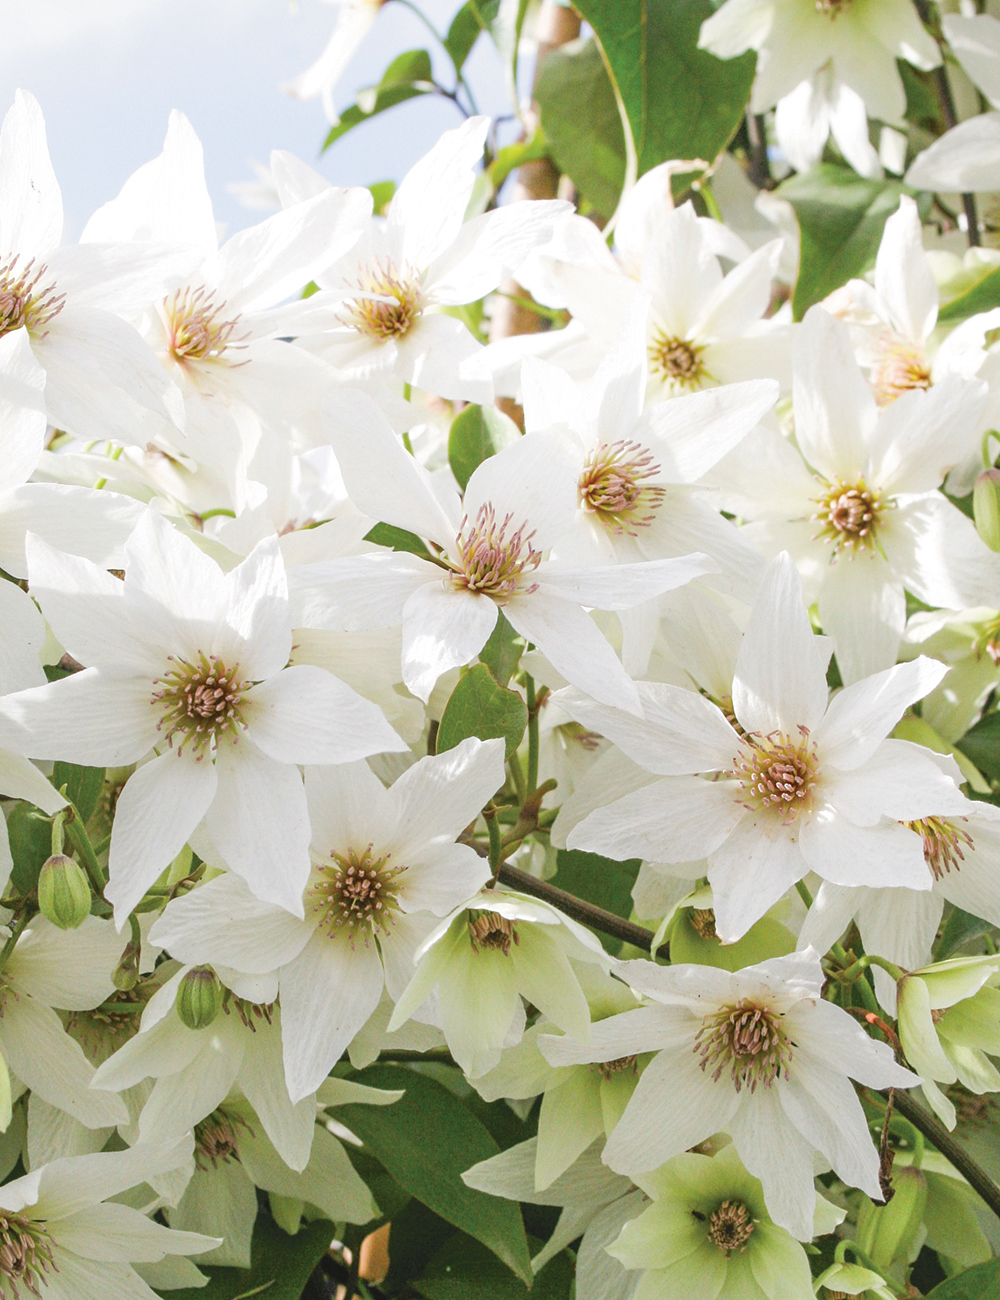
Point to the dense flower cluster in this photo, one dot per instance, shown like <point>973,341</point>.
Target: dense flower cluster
<point>316,669</point>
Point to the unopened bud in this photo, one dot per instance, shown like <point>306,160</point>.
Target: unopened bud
<point>887,1233</point>
<point>199,997</point>
<point>63,892</point>
<point>125,975</point>
<point>986,507</point>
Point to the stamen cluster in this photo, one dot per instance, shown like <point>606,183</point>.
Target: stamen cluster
<point>747,1040</point>
<point>730,1227</point>
<point>25,1255</point>
<point>608,1069</point>
<point>23,305</point>
<point>492,562</point>
<point>393,316</point>
<point>359,894</point>
<point>900,368</point>
<point>216,1139</point>
<point>777,773</point>
<point>943,842</point>
<point>196,327</point>
<point>611,486</point>
<point>677,360</point>
<point>849,514</point>
<point>703,922</point>
<point>201,702</point>
<point>250,1013</point>
<point>492,931</point>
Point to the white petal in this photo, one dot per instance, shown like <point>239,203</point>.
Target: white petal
<point>426,211</point>
<point>357,593</point>
<point>622,586</point>
<point>489,248</point>
<point>534,481</point>
<point>79,520</point>
<point>84,718</point>
<point>835,412</point>
<point>117,1233</point>
<point>676,819</point>
<point>780,679</point>
<point>863,610</point>
<point>774,1151</point>
<point>349,807</point>
<point>900,781</point>
<point>975,42</point>
<point>158,809</point>
<point>258,617</point>
<point>903,278</point>
<point>177,591</point>
<point>441,794</point>
<point>31,214</point>
<point>966,158</point>
<point>861,716</point>
<point>327,994</point>
<point>22,408</point>
<point>289,1125</point>
<point>926,433</point>
<point>68,969</point>
<point>20,779</point>
<point>751,870</point>
<point>443,627</point>
<point>697,430</point>
<point>887,855</point>
<point>306,715</point>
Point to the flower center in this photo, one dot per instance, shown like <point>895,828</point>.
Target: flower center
<point>677,361</point>
<point>216,1139</point>
<point>777,773</point>
<point>492,562</point>
<point>607,1069</point>
<point>201,702</point>
<point>730,1227</point>
<point>389,319</point>
<point>703,922</point>
<point>25,1255</point>
<point>492,931</point>
<point>250,1013</point>
<point>746,1039</point>
<point>848,515</point>
<point>196,327</point>
<point>102,1031</point>
<point>612,488</point>
<point>357,894</point>
<point>943,842</point>
<point>900,368</point>
<point>22,303</point>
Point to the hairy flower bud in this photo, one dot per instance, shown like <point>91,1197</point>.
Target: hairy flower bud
<point>986,507</point>
<point>63,892</point>
<point>199,997</point>
<point>888,1232</point>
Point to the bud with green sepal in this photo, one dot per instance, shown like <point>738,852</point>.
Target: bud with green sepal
<point>199,997</point>
<point>63,892</point>
<point>949,1018</point>
<point>986,507</point>
<point>890,1234</point>
<point>854,1280</point>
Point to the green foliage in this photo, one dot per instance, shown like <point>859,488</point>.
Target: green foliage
<point>766,938</point>
<point>426,1140</point>
<point>477,433</point>
<point>397,539</point>
<point>960,928</point>
<point>462,1270</point>
<point>841,218</point>
<point>681,102</point>
<point>981,744</point>
<point>505,29</point>
<point>474,17</point>
<point>382,193</point>
<point>984,295</point>
<point>502,651</point>
<point>480,706</point>
<point>280,1265</point>
<point>30,833</point>
<point>83,786</point>
<point>979,1283</point>
<point>407,76</point>
<point>599,880</point>
<point>582,124</point>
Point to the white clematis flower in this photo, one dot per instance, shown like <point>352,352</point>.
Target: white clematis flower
<point>188,659</point>
<point>65,1238</point>
<point>487,554</point>
<point>828,65</point>
<point>802,785</point>
<point>483,958</point>
<point>353,23</point>
<point>385,864</point>
<point>424,257</point>
<point>102,381</point>
<point>858,504</point>
<point>755,1053</point>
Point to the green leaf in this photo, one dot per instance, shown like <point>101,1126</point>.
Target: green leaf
<point>280,1265</point>
<point>83,786</point>
<point>502,652</point>
<point>513,155</point>
<point>407,76</point>
<point>981,743</point>
<point>681,102</point>
<point>462,1270</point>
<point>765,938</point>
<point>397,539</point>
<point>426,1140</point>
<point>979,1283</point>
<point>30,834</point>
<point>474,17</point>
<point>983,296</point>
<point>382,194</point>
<point>477,433</point>
<point>598,880</point>
<point>959,929</point>
<point>582,125</point>
<point>841,217</point>
<point>480,706</point>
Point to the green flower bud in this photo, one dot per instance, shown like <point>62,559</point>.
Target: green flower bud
<point>63,892</point>
<point>199,997</point>
<point>125,975</point>
<point>852,1280</point>
<point>986,507</point>
<point>887,1233</point>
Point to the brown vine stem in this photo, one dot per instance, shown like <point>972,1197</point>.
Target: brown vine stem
<point>580,910</point>
<point>938,1135</point>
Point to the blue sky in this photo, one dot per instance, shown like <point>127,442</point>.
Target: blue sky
<point>108,72</point>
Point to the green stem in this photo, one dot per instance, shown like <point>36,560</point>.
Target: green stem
<point>856,1251</point>
<point>57,831</point>
<point>855,972</point>
<point>529,688</point>
<point>803,892</point>
<point>493,829</point>
<point>80,840</point>
<point>939,1137</point>
<point>16,930</point>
